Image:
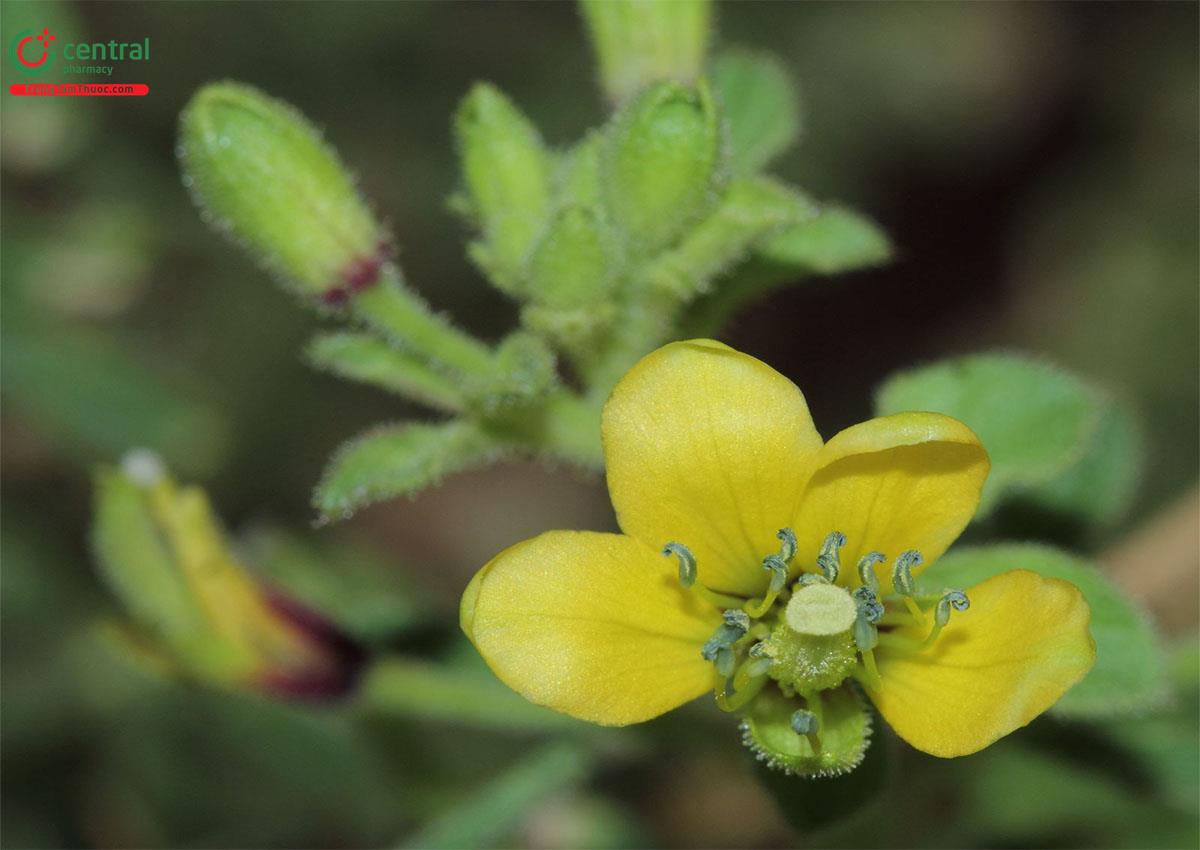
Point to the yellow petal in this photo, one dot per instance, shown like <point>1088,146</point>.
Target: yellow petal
<point>1022,644</point>
<point>706,446</point>
<point>908,481</point>
<point>593,625</point>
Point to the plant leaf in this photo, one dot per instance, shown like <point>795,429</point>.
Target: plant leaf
<point>399,460</point>
<point>369,360</point>
<point>1034,420</point>
<point>1130,670</point>
<point>761,104</point>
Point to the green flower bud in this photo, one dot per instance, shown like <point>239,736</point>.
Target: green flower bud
<point>194,610</point>
<point>261,172</point>
<point>507,174</point>
<point>639,42</point>
<point>662,166</point>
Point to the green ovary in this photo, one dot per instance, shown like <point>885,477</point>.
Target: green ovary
<point>805,663</point>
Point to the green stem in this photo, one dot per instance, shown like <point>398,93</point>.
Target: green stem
<point>641,327</point>
<point>407,688</point>
<point>395,310</point>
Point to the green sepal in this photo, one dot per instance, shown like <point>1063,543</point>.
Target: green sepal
<point>750,212</point>
<point>1035,420</point>
<point>845,732</point>
<point>638,43</point>
<point>135,559</point>
<point>662,165</point>
<point>507,172</point>
<point>761,106</point>
<point>366,358</point>
<point>399,460</point>
<point>1130,670</point>
<point>261,172</point>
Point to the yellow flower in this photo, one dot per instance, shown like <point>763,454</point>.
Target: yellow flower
<point>793,587</point>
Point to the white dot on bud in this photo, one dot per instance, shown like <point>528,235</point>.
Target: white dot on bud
<point>821,609</point>
<point>143,467</point>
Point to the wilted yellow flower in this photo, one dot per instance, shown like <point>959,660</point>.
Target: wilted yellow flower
<point>796,583</point>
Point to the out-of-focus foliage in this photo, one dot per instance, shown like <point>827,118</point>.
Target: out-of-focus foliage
<point>1035,166</point>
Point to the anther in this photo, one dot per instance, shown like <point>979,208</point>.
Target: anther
<point>868,604</point>
<point>830,559</point>
<point>719,647</point>
<point>953,599</point>
<point>787,547</point>
<point>687,562</point>
<point>866,569</point>
<point>805,722</point>
<point>902,579</point>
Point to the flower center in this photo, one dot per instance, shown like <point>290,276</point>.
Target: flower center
<point>811,637</point>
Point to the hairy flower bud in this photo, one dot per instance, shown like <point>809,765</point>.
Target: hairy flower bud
<point>261,172</point>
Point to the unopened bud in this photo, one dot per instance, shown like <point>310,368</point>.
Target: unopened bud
<point>193,606</point>
<point>639,42</point>
<point>507,173</point>
<point>261,172</point>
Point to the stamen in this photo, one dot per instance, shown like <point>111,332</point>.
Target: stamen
<point>830,558</point>
<point>869,604</point>
<point>719,647</point>
<point>687,562</point>
<point>870,670</point>
<point>687,577</point>
<point>866,636</point>
<point>903,583</point>
<point>805,723</point>
<point>779,573</point>
<point>866,569</point>
<point>777,565</point>
<point>787,548</point>
<point>745,685</point>
<point>902,579</point>
<point>954,599</point>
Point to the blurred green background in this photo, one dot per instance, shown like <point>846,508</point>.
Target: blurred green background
<point>1036,165</point>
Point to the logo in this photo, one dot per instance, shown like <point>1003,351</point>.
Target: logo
<point>31,52</point>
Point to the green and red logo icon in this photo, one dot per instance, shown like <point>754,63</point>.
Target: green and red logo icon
<point>31,53</point>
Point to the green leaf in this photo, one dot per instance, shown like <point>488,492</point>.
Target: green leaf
<point>399,460</point>
<point>507,173</point>
<point>836,240</point>
<point>1099,487</point>
<point>761,105</point>
<point>493,811</point>
<point>750,212</point>
<point>368,359</point>
<point>638,43</point>
<point>661,165</point>
<point>364,594</point>
<point>1035,421</point>
<point>1130,670</point>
